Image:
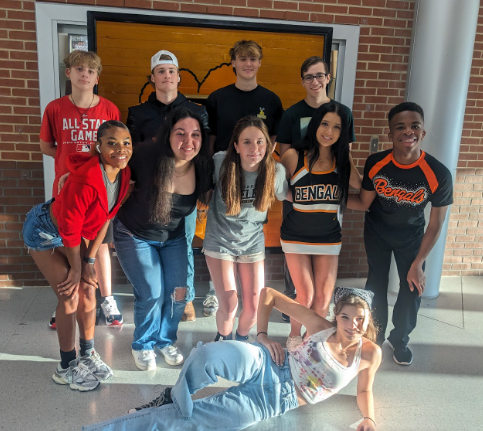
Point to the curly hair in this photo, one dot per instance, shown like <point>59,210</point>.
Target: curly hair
<point>340,149</point>
<point>161,199</point>
<point>231,178</point>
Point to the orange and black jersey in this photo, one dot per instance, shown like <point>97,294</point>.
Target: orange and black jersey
<point>403,191</point>
<point>312,227</point>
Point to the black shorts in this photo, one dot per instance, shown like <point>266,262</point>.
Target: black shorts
<point>109,234</point>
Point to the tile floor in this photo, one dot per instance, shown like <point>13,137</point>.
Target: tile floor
<point>442,390</point>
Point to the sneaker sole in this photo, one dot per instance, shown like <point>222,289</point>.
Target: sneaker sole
<point>149,367</point>
<point>394,357</point>
<point>401,363</point>
<point>209,313</point>
<point>73,386</point>
<point>53,326</point>
<point>173,363</point>
<point>115,323</point>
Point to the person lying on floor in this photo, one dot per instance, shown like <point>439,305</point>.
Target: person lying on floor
<point>271,382</point>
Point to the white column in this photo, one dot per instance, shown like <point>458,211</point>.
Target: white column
<point>438,76</point>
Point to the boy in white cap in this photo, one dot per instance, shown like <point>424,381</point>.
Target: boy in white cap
<point>145,119</point>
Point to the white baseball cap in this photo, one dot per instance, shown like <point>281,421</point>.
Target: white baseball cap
<point>156,61</point>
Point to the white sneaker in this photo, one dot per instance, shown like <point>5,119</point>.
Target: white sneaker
<point>111,313</point>
<point>145,360</point>
<point>210,305</point>
<point>52,324</point>
<point>172,355</point>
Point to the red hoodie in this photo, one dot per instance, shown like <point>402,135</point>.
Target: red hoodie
<point>81,207</point>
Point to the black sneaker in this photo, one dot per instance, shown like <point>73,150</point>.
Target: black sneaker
<point>157,402</point>
<point>285,317</point>
<point>401,355</point>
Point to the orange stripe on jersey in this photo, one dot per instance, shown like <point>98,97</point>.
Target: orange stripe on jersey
<point>298,172</point>
<point>315,211</point>
<point>429,174</point>
<point>379,165</point>
<point>306,165</point>
<point>313,243</point>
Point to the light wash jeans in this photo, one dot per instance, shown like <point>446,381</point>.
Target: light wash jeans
<point>39,232</point>
<point>190,228</point>
<point>155,269</point>
<point>265,390</point>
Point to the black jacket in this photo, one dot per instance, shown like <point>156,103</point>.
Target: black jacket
<point>145,119</point>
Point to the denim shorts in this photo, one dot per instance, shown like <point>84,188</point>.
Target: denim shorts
<point>39,232</point>
<point>247,258</point>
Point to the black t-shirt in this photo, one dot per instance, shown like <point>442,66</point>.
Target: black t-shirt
<point>403,191</point>
<point>134,213</point>
<point>295,120</point>
<point>229,104</point>
<point>144,120</point>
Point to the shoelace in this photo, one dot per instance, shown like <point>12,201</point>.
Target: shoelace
<point>171,350</point>
<point>147,354</point>
<point>81,371</point>
<point>154,403</point>
<point>111,308</point>
<point>97,361</point>
<point>211,301</point>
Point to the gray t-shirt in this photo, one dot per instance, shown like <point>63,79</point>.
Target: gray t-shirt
<point>112,189</point>
<point>242,234</point>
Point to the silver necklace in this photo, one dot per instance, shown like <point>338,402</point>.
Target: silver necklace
<point>82,114</point>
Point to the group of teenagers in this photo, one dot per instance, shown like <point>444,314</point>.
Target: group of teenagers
<point>138,185</point>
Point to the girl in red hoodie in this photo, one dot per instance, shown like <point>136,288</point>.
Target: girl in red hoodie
<point>63,236</point>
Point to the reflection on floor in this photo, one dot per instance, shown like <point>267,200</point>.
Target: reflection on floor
<point>442,390</point>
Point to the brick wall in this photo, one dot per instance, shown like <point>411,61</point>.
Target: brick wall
<point>380,80</point>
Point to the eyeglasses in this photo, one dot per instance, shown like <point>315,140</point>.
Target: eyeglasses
<point>309,78</point>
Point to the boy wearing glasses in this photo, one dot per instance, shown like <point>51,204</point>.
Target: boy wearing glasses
<point>315,77</point>
<point>245,97</point>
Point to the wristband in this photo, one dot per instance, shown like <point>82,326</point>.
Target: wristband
<point>90,260</point>
<point>373,421</point>
<point>262,332</point>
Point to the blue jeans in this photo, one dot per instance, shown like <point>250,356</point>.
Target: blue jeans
<point>39,232</point>
<point>190,228</point>
<point>266,390</point>
<point>155,269</point>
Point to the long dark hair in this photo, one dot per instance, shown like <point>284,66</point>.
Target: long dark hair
<point>161,200</point>
<point>340,149</point>
<point>231,179</point>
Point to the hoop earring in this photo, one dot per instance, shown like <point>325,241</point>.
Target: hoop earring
<point>98,149</point>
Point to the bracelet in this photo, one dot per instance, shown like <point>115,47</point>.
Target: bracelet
<point>374,422</point>
<point>90,260</point>
<point>262,332</point>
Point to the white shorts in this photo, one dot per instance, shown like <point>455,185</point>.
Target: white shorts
<point>248,258</point>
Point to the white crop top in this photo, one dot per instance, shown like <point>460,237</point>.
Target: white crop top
<point>316,373</point>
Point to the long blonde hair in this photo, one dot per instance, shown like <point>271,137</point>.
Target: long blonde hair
<point>357,301</point>
<point>231,179</point>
